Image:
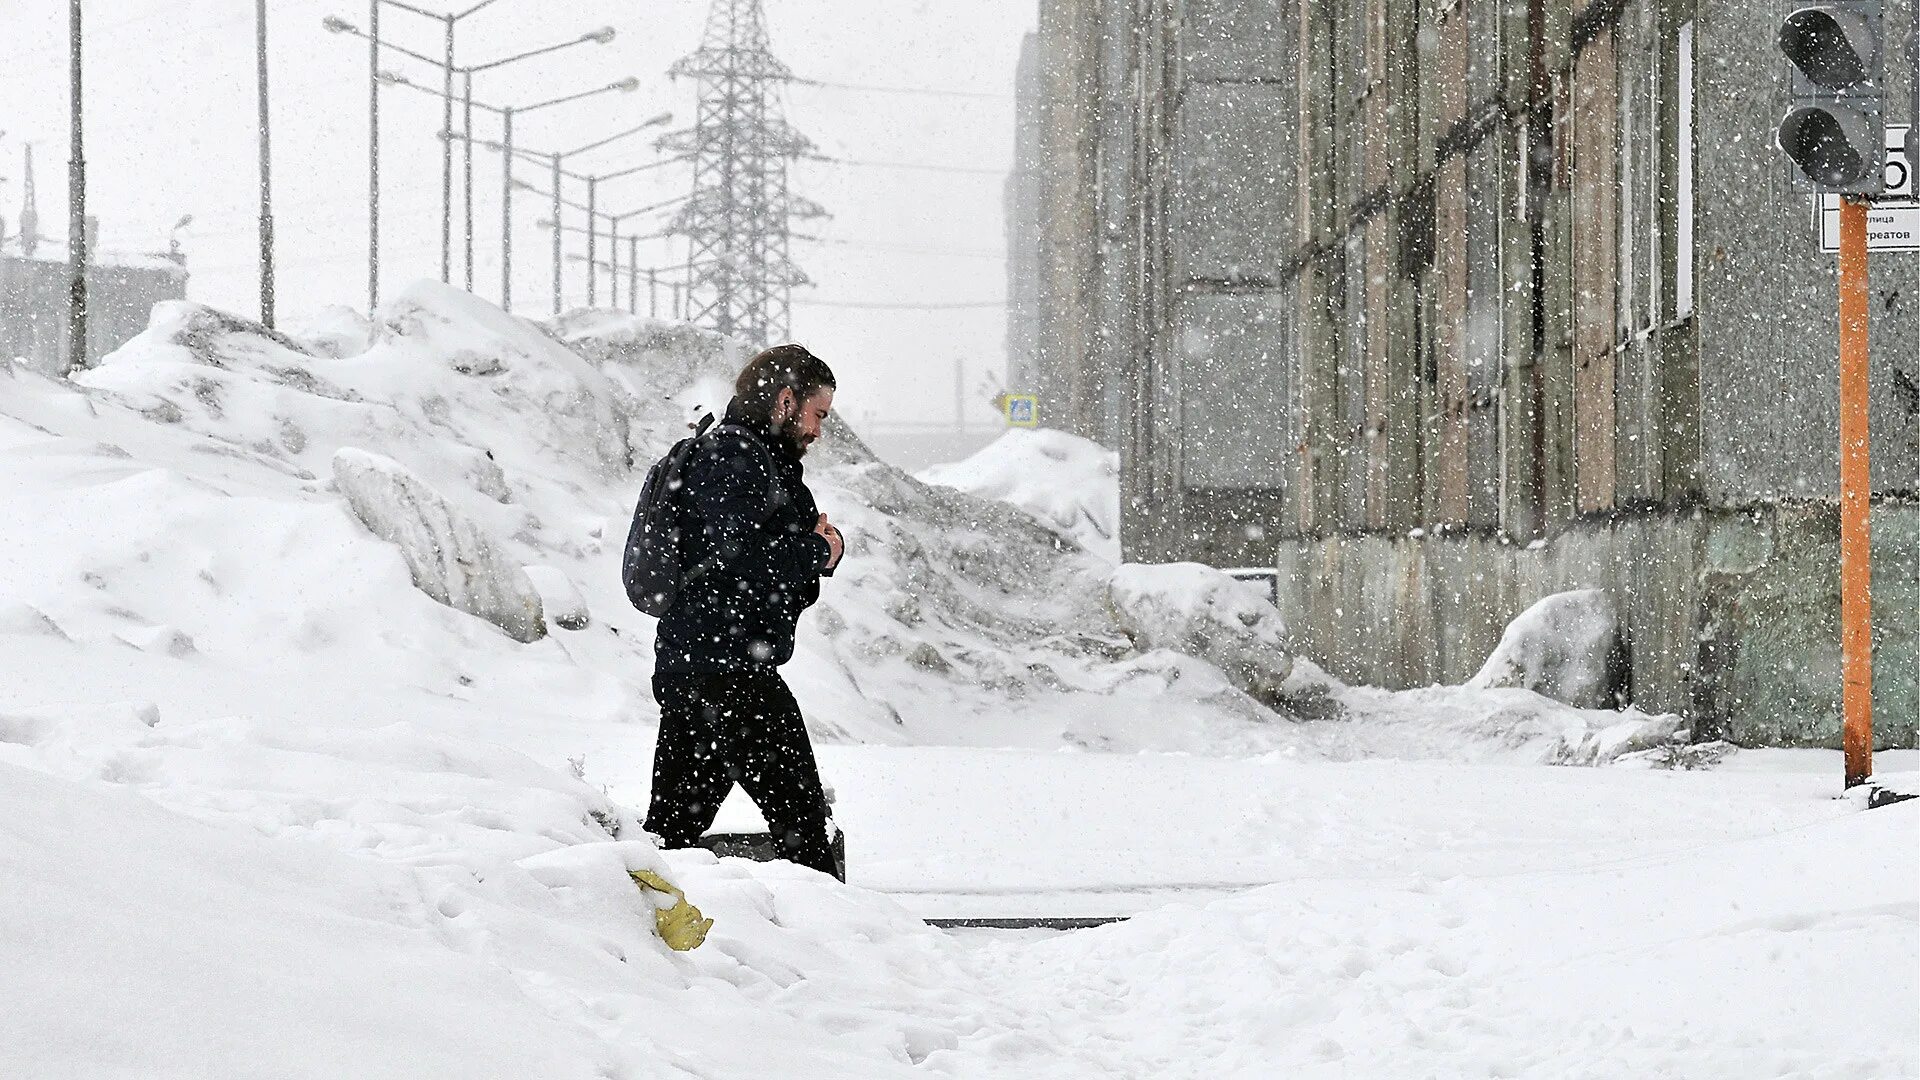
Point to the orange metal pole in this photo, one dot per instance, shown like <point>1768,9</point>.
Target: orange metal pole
<point>1856,574</point>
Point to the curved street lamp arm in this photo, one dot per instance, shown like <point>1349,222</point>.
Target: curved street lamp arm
<point>543,193</point>
<point>663,118</point>
<point>392,79</point>
<point>676,200</point>
<point>598,36</point>
<point>341,26</point>
<point>604,177</point>
<point>625,84</point>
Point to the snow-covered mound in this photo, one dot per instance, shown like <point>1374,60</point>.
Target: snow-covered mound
<point>1198,610</point>
<point>186,506</point>
<point>1071,484</point>
<point>451,558</point>
<point>1566,647</point>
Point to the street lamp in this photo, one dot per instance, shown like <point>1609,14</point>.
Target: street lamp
<point>77,254</point>
<point>508,152</point>
<point>556,163</point>
<point>593,202</point>
<point>448,69</point>
<point>450,21</point>
<point>266,171</point>
<point>614,222</point>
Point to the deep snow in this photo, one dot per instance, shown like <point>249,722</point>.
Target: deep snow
<point>273,810</point>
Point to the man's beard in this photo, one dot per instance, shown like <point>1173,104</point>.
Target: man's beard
<point>788,432</point>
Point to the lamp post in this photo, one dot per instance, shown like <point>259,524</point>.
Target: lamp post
<point>448,69</point>
<point>77,254</point>
<point>555,164</point>
<point>593,190</point>
<point>450,22</point>
<point>266,171</point>
<point>453,19</point>
<point>508,152</point>
<point>614,222</point>
<point>373,158</point>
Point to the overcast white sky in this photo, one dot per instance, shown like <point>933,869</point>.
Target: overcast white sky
<point>170,114</point>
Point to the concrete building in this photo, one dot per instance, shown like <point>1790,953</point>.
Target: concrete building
<point>1441,306</point>
<point>121,292</point>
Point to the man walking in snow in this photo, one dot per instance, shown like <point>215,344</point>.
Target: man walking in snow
<point>762,546</point>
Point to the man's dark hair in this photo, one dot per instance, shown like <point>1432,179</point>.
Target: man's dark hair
<point>783,367</point>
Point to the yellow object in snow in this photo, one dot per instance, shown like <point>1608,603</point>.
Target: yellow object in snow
<point>681,925</point>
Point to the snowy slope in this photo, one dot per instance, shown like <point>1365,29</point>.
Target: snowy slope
<point>263,792</point>
<point>186,509</point>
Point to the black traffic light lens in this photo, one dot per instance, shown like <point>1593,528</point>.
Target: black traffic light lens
<point>1817,44</point>
<point>1818,144</point>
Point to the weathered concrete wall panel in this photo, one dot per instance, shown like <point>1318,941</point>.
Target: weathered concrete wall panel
<point>1731,617</point>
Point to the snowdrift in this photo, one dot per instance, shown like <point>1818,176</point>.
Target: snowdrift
<point>188,507</point>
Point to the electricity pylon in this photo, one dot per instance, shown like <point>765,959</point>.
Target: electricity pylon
<point>739,222</point>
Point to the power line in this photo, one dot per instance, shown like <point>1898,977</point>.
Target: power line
<point>861,305</point>
<point>905,249</point>
<point>925,91</point>
<point>966,169</point>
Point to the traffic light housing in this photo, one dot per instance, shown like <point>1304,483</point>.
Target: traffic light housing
<point>1835,134</point>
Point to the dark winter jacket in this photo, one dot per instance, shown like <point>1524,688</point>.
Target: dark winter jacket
<point>748,509</point>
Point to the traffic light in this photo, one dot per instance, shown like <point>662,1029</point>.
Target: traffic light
<point>1836,131</point>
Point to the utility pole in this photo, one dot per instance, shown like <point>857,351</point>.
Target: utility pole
<point>373,156</point>
<point>738,223</point>
<point>506,210</point>
<point>266,172</point>
<point>77,254</point>
<point>29,212</point>
<point>633,277</point>
<point>593,237</point>
<point>613,261</point>
<point>446,153</point>
<point>559,279</point>
<point>466,199</point>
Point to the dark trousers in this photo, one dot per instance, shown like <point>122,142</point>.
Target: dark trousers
<point>721,729</point>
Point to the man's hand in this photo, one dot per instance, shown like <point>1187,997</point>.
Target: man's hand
<point>835,542</point>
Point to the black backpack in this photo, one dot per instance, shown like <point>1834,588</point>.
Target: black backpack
<point>652,569</point>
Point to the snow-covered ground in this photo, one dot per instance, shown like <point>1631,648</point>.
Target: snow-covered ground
<point>270,809</point>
